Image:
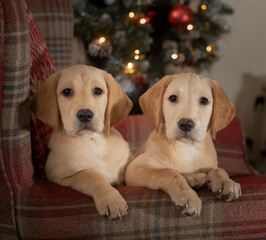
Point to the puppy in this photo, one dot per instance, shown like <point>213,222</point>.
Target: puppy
<point>82,104</point>
<point>187,111</point>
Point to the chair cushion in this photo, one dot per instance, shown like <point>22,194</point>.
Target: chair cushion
<point>49,211</point>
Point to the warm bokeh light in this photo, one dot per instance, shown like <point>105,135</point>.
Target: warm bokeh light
<point>131,14</point>
<point>190,27</point>
<point>203,7</point>
<point>130,65</point>
<point>101,40</point>
<point>174,56</point>
<point>142,21</point>
<point>208,48</point>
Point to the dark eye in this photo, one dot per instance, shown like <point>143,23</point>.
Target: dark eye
<point>67,92</point>
<point>173,98</point>
<point>204,101</point>
<point>97,91</point>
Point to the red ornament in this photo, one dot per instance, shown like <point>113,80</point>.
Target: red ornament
<point>139,81</point>
<point>151,14</point>
<point>181,16</point>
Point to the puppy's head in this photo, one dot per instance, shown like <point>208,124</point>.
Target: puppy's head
<point>186,106</point>
<point>81,100</point>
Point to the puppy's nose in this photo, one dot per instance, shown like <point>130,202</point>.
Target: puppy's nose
<point>84,115</point>
<point>186,124</point>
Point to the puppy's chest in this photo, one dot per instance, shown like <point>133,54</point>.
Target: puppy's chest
<point>95,154</point>
<point>188,158</point>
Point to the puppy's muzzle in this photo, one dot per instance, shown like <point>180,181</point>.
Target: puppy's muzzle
<point>186,124</point>
<point>84,115</point>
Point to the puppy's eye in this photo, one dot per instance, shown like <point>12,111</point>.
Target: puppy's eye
<point>97,91</point>
<point>204,101</point>
<point>173,98</point>
<point>67,92</point>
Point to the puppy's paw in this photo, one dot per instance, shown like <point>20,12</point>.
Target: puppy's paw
<point>112,205</point>
<point>226,189</point>
<point>196,180</point>
<point>188,202</point>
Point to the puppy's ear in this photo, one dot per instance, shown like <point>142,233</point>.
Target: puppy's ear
<point>152,100</point>
<point>44,104</point>
<point>223,110</point>
<point>118,103</point>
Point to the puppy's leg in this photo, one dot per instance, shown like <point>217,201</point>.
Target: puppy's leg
<point>222,185</point>
<point>166,179</point>
<point>196,180</point>
<point>107,199</point>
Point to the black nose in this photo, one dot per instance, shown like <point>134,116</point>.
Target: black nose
<point>186,124</point>
<point>84,115</point>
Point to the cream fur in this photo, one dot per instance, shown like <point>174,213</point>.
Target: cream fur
<point>174,161</point>
<point>87,157</point>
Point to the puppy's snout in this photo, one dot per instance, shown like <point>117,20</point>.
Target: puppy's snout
<point>84,115</point>
<point>186,124</point>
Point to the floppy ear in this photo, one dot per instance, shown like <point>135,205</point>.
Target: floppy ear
<point>118,103</point>
<point>152,100</point>
<point>44,104</point>
<point>223,110</point>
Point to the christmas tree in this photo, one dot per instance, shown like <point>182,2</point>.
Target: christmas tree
<point>140,41</point>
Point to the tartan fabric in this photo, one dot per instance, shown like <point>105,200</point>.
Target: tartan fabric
<point>228,143</point>
<point>55,20</point>
<point>41,67</point>
<point>16,169</point>
<point>33,208</point>
<point>49,211</point>
<point>15,134</point>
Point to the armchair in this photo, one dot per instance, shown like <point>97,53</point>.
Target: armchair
<point>33,208</point>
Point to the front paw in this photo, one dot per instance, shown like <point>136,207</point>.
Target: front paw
<point>112,205</point>
<point>196,180</point>
<point>188,201</point>
<point>226,189</point>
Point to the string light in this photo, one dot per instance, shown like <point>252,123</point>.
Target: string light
<point>174,55</point>
<point>189,27</point>
<point>136,57</point>
<point>142,21</point>
<point>203,7</point>
<point>130,65</point>
<point>209,48</point>
<point>136,51</point>
<point>129,68</point>
<point>101,40</point>
<point>131,14</point>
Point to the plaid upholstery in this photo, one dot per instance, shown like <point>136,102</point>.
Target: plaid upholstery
<point>49,211</point>
<point>229,143</point>
<point>55,20</point>
<point>33,208</point>
<point>16,169</point>
<point>41,67</point>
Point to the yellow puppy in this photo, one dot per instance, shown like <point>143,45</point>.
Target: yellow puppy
<point>187,110</point>
<point>82,104</point>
